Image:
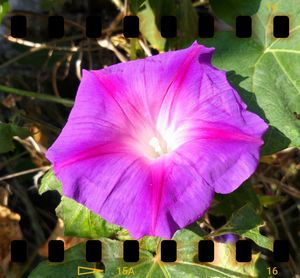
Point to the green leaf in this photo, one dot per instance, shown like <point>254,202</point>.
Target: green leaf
<point>245,222</point>
<point>191,233</point>
<point>50,182</point>
<point>265,70</point>
<point>136,5</point>
<point>230,9</point>
<point>187,25</point>
<point>150,243</point>
<point>149,264</point>
<point>150,12</point>
<point>7,131</point>
<point>78,220</point>
<point>4,9</point>
<point>229,203</point>
<point>225,257</point>
<point>81,222</point>
<point>269,201</point>
<point>74,258</point>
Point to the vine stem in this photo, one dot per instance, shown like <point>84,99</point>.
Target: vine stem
<point>20,92</point>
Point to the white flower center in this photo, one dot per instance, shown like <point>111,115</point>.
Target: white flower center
<point>154,143</point>
<point>158,147</point>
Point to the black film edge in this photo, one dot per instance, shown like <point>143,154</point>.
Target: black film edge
<point>168,26</point>
<point>168,250</point>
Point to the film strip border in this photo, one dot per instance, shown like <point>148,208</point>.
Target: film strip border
<point>168,26</point>
<point>168,251</point>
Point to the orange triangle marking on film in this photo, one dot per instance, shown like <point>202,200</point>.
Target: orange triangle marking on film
<point>92,270</point>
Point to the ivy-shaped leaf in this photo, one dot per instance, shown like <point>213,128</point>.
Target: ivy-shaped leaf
<point>264,69</point>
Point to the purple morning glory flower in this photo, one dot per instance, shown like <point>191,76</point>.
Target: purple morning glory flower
<point>148,142</point>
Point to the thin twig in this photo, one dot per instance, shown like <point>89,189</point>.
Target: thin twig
<point>51,45</point>
<point>78,65</point>
<point>22,173</point>
<point>112,27</point>
<point>200,3</point>
<point>125,8</point>
<point>40,45</point>
<point>54,75</point>
<point>36,150</point>
<point>118,4</point>
<point>286,188</point>
<point>36,178</point>
<point>34,47</point>
<point>90,58</point>
<point>35,145</point>
<point>106,43</point>
<point>145,48</point>
<point>67,66</point>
